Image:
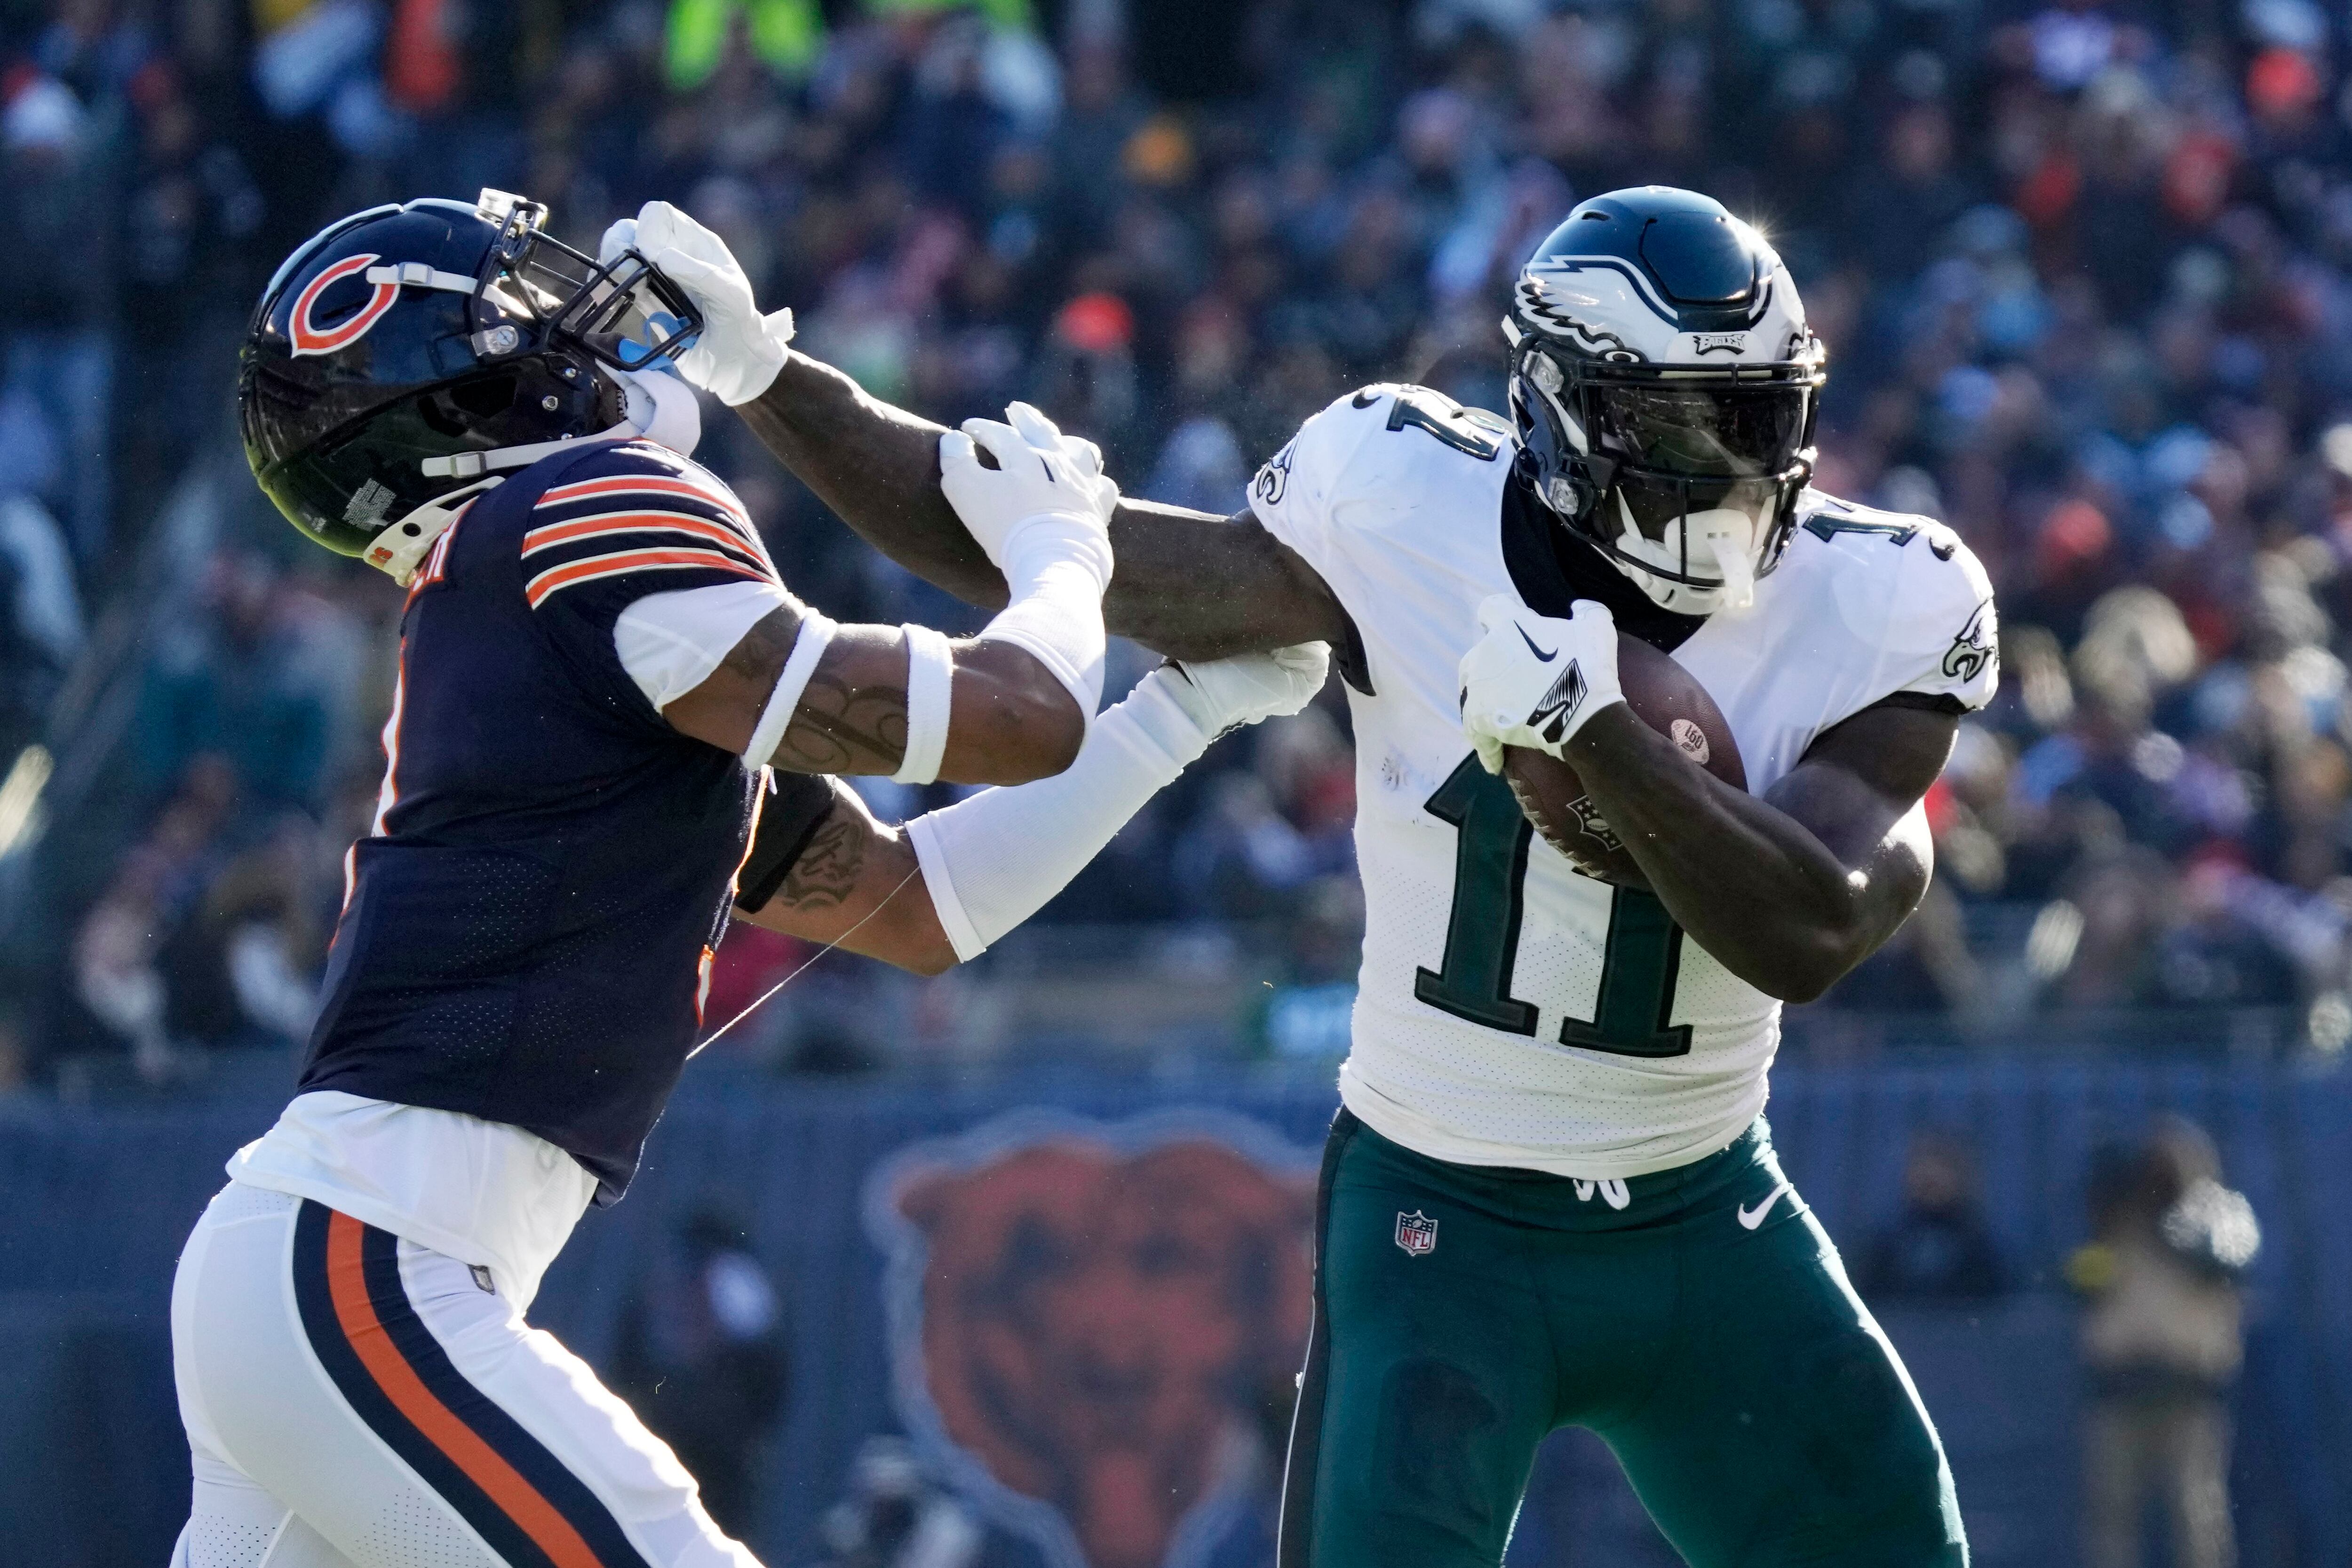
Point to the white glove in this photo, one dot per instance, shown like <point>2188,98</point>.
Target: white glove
<point>1222,694</point>
<point>1041,477</point>
<point>740,350</point>
<point>1534,681</point>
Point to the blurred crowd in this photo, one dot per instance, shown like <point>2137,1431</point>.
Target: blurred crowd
<point>2084,270</point>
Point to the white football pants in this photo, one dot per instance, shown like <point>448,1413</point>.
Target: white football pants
<point>356,1401</point>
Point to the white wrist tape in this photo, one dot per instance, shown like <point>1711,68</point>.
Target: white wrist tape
<point>1057,568</point>
<point>930,688</point>
<point>808,647</point>
<point>994,859</point>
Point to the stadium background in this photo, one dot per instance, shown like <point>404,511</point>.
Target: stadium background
<point>2083,272</point>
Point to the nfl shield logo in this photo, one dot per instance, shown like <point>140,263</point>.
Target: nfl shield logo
<point>1416,1233</point>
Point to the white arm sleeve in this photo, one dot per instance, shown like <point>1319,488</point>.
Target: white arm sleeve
<point>669,643</point>
<point>1057,572</point>
<point>992,861</point>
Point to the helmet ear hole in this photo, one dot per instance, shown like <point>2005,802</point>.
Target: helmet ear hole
<point>485,396</point>
<point>461,407</point>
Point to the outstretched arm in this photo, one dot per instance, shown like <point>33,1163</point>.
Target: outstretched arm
<point>1187,585</point>
<point>878,467</point>
<point>948,884</point>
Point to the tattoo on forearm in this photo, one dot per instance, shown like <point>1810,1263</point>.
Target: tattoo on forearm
<point>841,727</point>
<point>828,869</point>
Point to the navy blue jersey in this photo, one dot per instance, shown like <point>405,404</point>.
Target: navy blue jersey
<point>528,929</point>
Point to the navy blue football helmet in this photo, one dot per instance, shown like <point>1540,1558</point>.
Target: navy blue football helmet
<point>404,352</point>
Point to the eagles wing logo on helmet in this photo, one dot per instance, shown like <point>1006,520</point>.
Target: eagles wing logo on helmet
<point>1535,302</point>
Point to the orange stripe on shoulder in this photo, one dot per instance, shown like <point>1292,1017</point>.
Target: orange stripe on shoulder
<point>645,484</point>
<point>560,577</point>
<point>548,535</point>
<point>482,1465</point>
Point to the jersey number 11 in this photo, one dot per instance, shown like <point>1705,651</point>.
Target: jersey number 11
<point>1482,934</point>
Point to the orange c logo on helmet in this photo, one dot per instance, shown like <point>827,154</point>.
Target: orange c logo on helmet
<point>311,340</point>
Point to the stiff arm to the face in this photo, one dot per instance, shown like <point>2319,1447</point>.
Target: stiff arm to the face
<point>1851,848</point>
<point>1189,584</point>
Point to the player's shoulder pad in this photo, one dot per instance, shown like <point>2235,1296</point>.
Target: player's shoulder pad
<point>1917,552</point>
<point>1336,450</point>
<point>628,506</point>
<point>1914,581</point>
<point>641,458</point>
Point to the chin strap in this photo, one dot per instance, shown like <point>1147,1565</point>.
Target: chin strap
<point>400,550</point>
<point>661,408</point>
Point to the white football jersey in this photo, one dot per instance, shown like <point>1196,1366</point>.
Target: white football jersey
<point>1510,1010</point>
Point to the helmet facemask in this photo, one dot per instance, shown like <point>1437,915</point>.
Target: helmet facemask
<point>1687,480</point>
<point>625,313</point>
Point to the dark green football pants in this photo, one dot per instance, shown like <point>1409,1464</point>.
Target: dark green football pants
<point>1697,1320</point>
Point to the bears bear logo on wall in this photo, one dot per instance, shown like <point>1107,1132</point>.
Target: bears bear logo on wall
<point>1094,1327</point>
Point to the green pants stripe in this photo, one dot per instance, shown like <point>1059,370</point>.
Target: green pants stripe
<point>1699,1320</point>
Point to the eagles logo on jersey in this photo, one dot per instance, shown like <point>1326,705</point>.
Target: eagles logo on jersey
<point>1973,651</point>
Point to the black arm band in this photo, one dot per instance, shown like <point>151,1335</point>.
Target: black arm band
<point>789,818</point>
<point>1927,701</point>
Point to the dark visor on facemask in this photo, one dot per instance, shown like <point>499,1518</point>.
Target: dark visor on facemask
<point>1703,432</point>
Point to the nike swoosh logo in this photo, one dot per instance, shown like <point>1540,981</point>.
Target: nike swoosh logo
<point>1539,653</point>
<point>1559,704</point>
<point>1750,1218</point>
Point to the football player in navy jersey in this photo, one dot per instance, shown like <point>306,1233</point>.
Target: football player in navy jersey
<point>612,726</point>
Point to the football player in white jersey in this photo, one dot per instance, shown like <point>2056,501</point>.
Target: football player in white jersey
<point>1551,1197</point>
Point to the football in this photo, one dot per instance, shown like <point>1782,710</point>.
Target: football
<point>1669,700</point>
